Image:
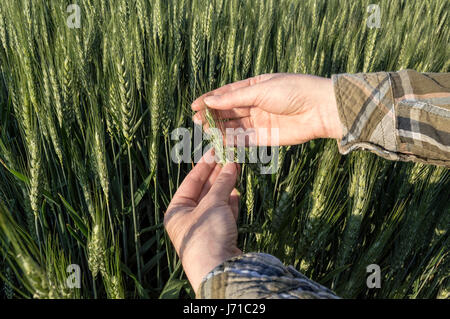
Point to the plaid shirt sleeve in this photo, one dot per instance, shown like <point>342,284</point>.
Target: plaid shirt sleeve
<point>259,276</point>
<point>401,115</point>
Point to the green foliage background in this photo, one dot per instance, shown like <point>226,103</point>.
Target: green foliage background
<point>85,122</point>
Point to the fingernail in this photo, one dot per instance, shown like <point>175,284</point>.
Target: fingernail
<point>197,119</point>
<point>211,100</point>
<point>209,156</point>
<point>229,168</point>
<point>197,103</point>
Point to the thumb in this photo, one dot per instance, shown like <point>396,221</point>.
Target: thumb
<point>246,96</point>
<point>224,184</point>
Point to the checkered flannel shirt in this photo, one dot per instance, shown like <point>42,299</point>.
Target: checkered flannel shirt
<point>401,115</point>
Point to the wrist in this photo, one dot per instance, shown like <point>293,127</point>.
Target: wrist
<point>328,113</point>
<point>197,268</point>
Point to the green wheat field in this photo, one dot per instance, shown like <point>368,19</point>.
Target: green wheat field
<point>85,168</point>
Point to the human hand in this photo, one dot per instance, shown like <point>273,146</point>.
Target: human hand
<point>302,107</point>
<point>201,218</point>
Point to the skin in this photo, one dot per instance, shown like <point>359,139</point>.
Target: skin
<point>201,218</point>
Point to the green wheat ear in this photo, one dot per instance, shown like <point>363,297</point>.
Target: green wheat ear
<point>216,139</point>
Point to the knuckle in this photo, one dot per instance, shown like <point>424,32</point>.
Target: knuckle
<point>221,180</point>
<point>255,79</point>
<point>258,78</point>
<point>212,198</point>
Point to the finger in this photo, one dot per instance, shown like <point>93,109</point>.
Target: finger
<point>244,122</point>
<point>239,169</point>
<point>211,179</point>
<point>199,117</point>
<point>200,120</point>
<point>239,132</point>
<point>248,136</point>
<point>235,113</point>
<point>190,189</point>
<point>243,97</point>
<point>224,184</point>
<point>234,203</point>
<point>198,103</point>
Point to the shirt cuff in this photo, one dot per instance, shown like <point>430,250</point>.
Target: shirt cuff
<point>366,109</point>
<point>369,105</point>
<point>258,276</point>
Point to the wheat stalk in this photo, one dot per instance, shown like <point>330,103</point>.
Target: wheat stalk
<point>360,189</point>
